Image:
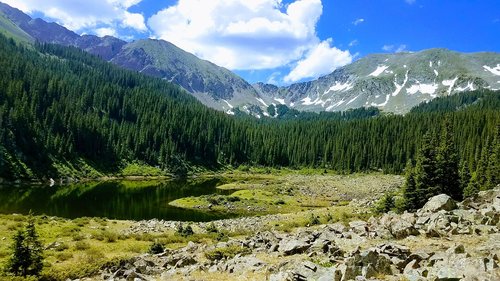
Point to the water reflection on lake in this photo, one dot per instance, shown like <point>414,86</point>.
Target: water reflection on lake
<point>131,200</point>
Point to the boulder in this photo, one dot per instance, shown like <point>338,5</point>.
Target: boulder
<point>293,246</point>
<point>403,228</point>
<point>439,202</point>
<point>359,227</point>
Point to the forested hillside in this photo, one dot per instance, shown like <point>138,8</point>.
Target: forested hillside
<point>62,107</point>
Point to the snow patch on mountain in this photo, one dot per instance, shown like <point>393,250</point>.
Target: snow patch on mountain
<point>470,86</point>
<point>380,69</point>
<point>399,87</point>
<point>493,70</point>
<point>228,104</point>
<point>450,84</point>
<point>308,101</point>
<point>387,98</point>
<point>281,101</point>
<point>338,86</point>
<point>335,105</point>
<point>261,101</point>
<point>352,100</point>
<point>423,88</point>
<point>436,72</point>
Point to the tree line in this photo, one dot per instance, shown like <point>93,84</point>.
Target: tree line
<point>62,105</point>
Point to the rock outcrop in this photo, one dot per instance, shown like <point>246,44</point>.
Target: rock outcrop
<point>392,247</point>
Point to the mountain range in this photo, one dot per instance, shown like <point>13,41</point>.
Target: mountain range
<point>392,82</point>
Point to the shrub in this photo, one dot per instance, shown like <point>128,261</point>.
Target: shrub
<point>110,237</point>
<point>77,237</point>
<point>211,228</point>
<point>81,245</point>
<point>156,248</point>
<point>280,202</point>
<point>185,231</point>
<point>314,220</point>
<point>385,204</point>
<point>233,199</point>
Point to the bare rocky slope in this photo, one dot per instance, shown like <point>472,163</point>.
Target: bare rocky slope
<point>444,240</point>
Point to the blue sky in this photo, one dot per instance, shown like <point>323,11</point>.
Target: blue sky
<point>285,41</point>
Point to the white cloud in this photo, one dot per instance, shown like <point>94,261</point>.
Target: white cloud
<point>358,21</point>
<point>320,60</point>
<point>410,1</point>
<point>401,48</point>
<point>353,43</point>
<point>135,21</point>
<point>396,49</point>
<point>105,31</point>
<point>388,48</point>
<point>241,34</point>
<point>273,78</point>
<point>78,15</point>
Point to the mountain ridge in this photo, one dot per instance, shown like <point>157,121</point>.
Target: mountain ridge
<point>391,82</point>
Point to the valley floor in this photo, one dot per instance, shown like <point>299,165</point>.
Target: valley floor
<point>302,240</point>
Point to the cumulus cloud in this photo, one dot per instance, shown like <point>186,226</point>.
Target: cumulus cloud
<point>320,60</point>
<point>105,31</point>
<point>92,15</point>
<point>241,34</point>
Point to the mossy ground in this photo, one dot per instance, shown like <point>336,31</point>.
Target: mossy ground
<point>282,191</point>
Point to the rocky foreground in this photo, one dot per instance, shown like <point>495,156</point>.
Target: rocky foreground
<point>444,240</point>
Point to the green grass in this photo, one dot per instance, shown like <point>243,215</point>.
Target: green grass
<point>138,169</point>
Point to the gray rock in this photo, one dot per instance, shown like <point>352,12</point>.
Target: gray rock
<point>439,202</point>
<point>359,227</point>
<point>293,246</point>
<point>403,228</point>
<point>337,228</point>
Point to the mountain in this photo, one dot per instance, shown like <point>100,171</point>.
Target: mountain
<point>392,82</point>
<point>214,86</point>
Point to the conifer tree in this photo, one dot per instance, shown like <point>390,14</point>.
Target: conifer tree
<point>447,177</point>
<point>27,256</point>
<point>465,175</point>
<point>425,172</point>
<point>473,187</point>
<point>410,193</point>
<point>493,169</point>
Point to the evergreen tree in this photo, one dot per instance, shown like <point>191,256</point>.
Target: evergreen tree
<point>493,169</point>
<point>473,187</point>
<point>447,177</point>
<point>410,193</point>
<point>27,256</point>
<point>425,172</point>
<point>465,175</point>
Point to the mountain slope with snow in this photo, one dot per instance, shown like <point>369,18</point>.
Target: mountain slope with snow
<point>392,82</point>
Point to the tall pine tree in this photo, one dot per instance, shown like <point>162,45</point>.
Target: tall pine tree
<point>447,177</point>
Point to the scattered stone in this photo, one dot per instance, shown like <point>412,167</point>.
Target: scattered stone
<point>439,202</point>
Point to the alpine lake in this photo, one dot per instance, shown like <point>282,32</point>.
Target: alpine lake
<point>124,200</point>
